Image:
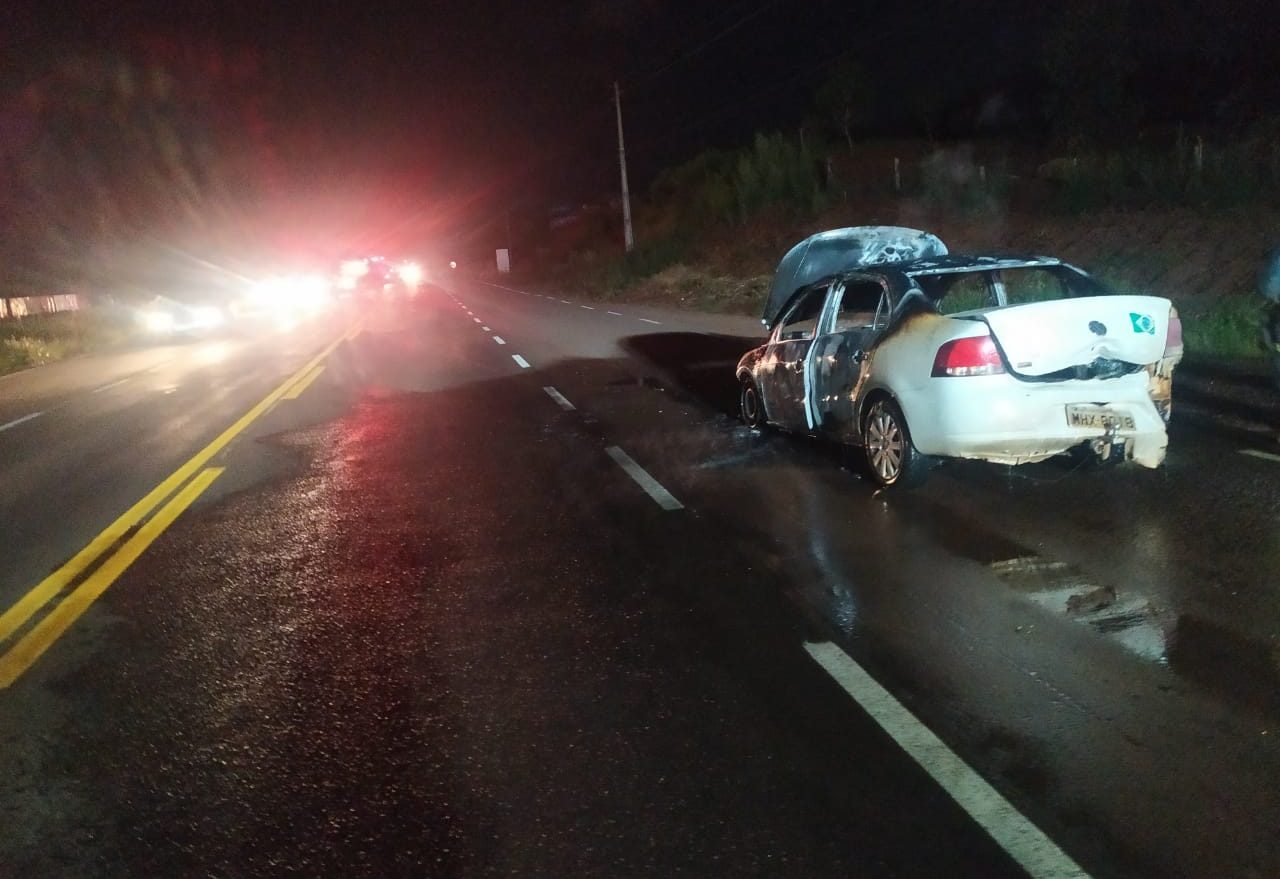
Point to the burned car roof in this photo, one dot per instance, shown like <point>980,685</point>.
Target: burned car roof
<point>968,262</point>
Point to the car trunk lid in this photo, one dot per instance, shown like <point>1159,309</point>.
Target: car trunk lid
<point>1042,338</point>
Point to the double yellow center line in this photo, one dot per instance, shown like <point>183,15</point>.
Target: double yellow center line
<point>18,658</point>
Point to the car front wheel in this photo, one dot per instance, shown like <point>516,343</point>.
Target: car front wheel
<point>892,458</point>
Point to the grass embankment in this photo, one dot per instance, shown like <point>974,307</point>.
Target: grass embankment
<point>1187,220</point>
<point>44,338</point>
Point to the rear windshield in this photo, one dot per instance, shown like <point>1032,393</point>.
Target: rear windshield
<point>954,292</point>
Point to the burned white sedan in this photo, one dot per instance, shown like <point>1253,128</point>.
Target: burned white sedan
<point>883,340</point>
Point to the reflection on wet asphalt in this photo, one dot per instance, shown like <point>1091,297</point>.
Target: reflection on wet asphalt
<point>441,632</point>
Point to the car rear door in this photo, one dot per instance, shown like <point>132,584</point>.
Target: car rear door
<point>860,311</point>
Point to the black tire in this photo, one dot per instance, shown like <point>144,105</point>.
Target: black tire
<point>891,456</point>
<point>750,404</point>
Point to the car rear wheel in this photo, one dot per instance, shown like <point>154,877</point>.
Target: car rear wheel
<point>749,404</point>
<point>892,458</point>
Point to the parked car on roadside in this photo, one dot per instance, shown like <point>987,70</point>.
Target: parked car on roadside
<point>883,340</point>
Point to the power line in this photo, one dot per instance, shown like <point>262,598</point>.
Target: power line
<point>706,44</point>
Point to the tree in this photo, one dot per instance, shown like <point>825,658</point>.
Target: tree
<point>844,100</point>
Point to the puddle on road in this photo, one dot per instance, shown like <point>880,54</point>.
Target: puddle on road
<point>1224,661</point>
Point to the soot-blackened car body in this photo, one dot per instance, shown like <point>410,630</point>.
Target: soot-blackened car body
<point>882,339</point>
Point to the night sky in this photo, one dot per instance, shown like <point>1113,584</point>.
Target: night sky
<point>418,118</point>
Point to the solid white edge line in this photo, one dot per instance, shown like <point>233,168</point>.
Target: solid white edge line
<point>23,420</point>
<point>646,320</point>
<point>1011,830</point>
<point>500,340</point>
<point>1258,453</point>
<point>651,486</point>
<point>559,398</point>
<point>524,364</point>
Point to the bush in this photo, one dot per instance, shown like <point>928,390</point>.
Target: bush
<point>1228,327</point>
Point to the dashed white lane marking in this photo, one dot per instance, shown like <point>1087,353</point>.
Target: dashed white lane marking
<point>559,398</point>
<point>566,302</point>
<point>500,340</point>
<point>23,420</point>
<point>525,292</point>
<point>614,313</point>
<point>651,486</point>
<point>1022,840</point>
<point>476,319</point>
<point>646,320</point>
<point>109,385</point>
<point>486,329</point>
<point>1258,453</point>
<point>587,307</point>
<point>524,364</point>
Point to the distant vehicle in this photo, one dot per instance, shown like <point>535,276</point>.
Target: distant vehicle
<point>165,317</point>
<point>883,340</point>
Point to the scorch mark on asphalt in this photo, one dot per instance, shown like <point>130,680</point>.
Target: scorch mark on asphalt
<point>1012,831</point>
<point>651,486</point>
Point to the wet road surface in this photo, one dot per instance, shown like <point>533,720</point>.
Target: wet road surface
<point>506,590</point>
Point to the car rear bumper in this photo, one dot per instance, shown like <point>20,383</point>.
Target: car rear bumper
<point>1000,419</point>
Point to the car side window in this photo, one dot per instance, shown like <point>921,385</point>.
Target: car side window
<point>860,304</point>
<point>802,321</point>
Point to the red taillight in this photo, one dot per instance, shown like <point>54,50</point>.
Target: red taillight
<point>973,356</point>
<point>1173,339</point>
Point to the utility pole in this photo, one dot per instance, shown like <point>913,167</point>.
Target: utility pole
<point>628,236</point>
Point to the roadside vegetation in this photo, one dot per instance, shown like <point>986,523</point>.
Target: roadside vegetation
<point>44,338</point>
<point>1184,219</point>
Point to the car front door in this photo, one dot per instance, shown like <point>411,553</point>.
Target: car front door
<point>784,387</point>
<point>861,310</point>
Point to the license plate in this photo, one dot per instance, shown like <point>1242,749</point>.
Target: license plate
<point>1098,418</point>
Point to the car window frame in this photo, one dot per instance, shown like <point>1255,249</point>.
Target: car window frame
<point>884,308</point>
<point>820,289</point>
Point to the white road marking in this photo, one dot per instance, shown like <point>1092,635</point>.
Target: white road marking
<point>566,302</point>
<point>476,319</point>
<point>525,292</point>
<point>15,422</point>
<point>1022,840</point>
<point>614,313</point>
<point>1258,453</point>
<point>500,340</point>
<point>109,386</point>
<point>559,398</point>
<point>651,486</point>
<point>646,320</point>
<point>587,307</point>
<point>524,364</point>
<point>486,329</point>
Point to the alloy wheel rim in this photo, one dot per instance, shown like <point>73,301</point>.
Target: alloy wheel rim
<point>885,444</point>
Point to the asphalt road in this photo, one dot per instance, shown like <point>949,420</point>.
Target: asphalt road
<point>505,589</point>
